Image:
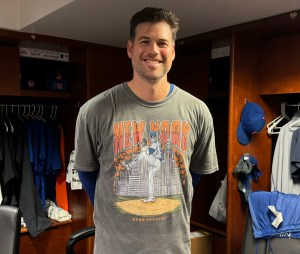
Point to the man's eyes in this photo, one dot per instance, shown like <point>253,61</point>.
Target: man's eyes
<point>161,44</point>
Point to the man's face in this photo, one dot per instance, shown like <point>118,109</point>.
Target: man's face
<point>152,51</point>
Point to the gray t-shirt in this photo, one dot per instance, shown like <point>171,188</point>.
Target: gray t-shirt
<point>144,152</point>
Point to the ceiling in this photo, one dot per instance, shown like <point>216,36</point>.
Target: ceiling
<point>107,21</point>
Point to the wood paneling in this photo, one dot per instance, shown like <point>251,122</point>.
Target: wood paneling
<point>244,86</point>
<point>191,73</point>
<point>219,244</point>
<point>107,67</point>
<point>49,242</point>
<point>280,65</point>
<point>10,70</point>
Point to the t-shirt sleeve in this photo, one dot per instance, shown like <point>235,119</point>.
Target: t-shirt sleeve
<point>85,158</point>
<point>204,158</point>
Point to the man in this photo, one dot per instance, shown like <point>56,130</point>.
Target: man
<point>111,130</point>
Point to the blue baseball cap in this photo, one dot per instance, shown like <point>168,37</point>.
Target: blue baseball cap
<point>252,121</point>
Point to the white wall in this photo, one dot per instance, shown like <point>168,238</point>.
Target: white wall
<point>9,14</point>
<point>16,14</point>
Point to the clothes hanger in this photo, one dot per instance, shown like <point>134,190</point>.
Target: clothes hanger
<point>26,116</point>
<point>33,114</point>
<point>295,124</point>
<point>6,126</point>
<point>41,112</point>
<point>53,113</point>
<point>19,115</point>
<point>11,127</point>
<point>273,127</point>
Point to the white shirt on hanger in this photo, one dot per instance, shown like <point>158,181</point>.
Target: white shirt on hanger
<point>281,179</point>
<point>0,195</point>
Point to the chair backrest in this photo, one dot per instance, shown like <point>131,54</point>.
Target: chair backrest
<point>10,224</point>
<point>77,237</point>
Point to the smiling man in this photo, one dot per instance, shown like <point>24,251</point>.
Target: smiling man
<point>139,145</point>
<point>152,51</point>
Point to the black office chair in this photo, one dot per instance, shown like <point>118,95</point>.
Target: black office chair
<point>78,236</point>
<point>10,224</point>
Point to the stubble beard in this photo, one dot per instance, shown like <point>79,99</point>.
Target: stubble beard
<point>149,77</point>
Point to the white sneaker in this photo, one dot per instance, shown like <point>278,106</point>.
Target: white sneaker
<point>56,213</point>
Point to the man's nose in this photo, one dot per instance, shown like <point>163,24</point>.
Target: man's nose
<point>153,48</point>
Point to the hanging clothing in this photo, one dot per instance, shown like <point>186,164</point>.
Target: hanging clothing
<point>218,207</point>
<point>17,177</point>
<point>10,177</point>
<point>246,171</point>
<point>61,186</point>
<point>30,159</point>
<point>72,174</point>
<point>39,156</point>
<point>275,214</point>
<point>30,202</point>
<point>281,179</point>
<point>0,194</point>
<point>295,157</point>
<point>53,162</point>
<point>44,150</point>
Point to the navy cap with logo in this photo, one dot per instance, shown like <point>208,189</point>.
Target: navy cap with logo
<point>252,121</point>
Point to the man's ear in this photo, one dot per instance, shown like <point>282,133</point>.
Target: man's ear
<point>174,52</point>
<point>129,48</point>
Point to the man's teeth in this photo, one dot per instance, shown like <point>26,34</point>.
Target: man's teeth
<point>152,61</point>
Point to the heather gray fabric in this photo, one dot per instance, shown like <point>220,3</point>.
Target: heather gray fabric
<point>144,153</point>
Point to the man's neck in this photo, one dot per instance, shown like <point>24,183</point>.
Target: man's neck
<point>150,92</point>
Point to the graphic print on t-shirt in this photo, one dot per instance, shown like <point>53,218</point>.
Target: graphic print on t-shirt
<point>150,168</point>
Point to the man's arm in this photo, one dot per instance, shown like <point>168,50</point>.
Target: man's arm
<point>88,180</point>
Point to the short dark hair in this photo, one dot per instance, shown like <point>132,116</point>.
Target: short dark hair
<point>154,15</point>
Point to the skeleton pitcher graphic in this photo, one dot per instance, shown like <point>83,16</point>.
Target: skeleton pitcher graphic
<point>152,154</point>
<point>150,166</point>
